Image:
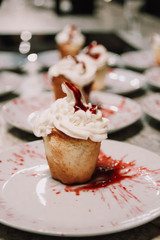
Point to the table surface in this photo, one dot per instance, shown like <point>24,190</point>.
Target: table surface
<point>144,133</point>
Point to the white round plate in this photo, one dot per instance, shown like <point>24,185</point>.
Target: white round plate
<point>16,111</point>
<point>31,200</point>
<point>153,76</point>
<point>151,106</point>
<point>9,82</point>
<point>123,81</point>
<point>10,60</point>
<point>121,111</point>
<point>113,59</point>
<point>48,58</point>
<point>140,60</point>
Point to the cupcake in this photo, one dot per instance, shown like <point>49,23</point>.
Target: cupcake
<point>156,47</point>
<point>79,70</point>
<point>99,55</point>
<point>69,41</point>
<point>72,131</point>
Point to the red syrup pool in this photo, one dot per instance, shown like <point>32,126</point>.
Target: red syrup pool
<point>109,172</point>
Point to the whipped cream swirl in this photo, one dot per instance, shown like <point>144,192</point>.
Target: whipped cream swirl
<point>68,116</point>
<point>70,34</point>
<point>98,54</point>
<point>80,70</point>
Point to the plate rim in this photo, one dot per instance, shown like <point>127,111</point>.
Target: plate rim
<point>151,83</point>
<point>50,94</point>
<point>145,110</point>
<point>131,90</point>
<point>128,99</point>
<point>123,55</point>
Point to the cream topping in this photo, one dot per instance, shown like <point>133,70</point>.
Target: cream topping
<point>80,69</point>
<point>70,34</point>
<point>98,54</point>
<point>74,122</point>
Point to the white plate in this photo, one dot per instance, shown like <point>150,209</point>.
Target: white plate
<point>48,58</point>
<point>120,81</point>
<point>9,82</point>
<point>32,201</point>
<point>153,76</point>
<point>16,111</point>
<point>113,59</point>
<point>10,60</point>
<point>121,111</point>
<point>140,60</point>
<point>123,81</point>
<point>151,105</point>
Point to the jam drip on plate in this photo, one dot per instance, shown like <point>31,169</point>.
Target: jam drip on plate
<point>109,172</point>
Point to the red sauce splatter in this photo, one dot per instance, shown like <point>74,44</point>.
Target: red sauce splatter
<point>107,112</point>
<point>89,49</point>
<point>15,169</point>
<point>157,102</point>
<point>109,172</point>
<point>78,102</point>
<point>71,33</point>
<point>81,62</point>
<point>110,70</point>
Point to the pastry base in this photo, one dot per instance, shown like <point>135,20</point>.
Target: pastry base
<point>68,49</point>
<point>57,87</point>
<point>157,55</point>
<point>70,160</point>
<point>99,82</point>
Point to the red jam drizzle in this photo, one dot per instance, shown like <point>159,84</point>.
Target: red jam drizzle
<point>78,103</point>
<point>109,172</point>
<point>89,48</point>
<point>81,62</point>
<point>71,33</point>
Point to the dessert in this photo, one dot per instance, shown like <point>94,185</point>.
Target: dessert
<point>99,55</point>
<point>69,41</point>
<point>156,47</point>
<point>79,70</point>
<point>72,132</point>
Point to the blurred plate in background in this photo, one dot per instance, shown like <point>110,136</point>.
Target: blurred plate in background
<point>10,60</point>
<point>153,76</point>
<point>9,82</point>
<point>123,81</point>
<point>139,60</point>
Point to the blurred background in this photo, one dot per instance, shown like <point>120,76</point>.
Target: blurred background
<point>37,21</point>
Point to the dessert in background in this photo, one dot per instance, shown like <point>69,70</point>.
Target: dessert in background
<point>69,41</point>
<point>72,132</point>
<point>98,53</point>
<point>156,47</point>
<point>79,70</point>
